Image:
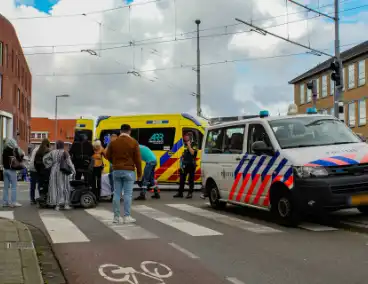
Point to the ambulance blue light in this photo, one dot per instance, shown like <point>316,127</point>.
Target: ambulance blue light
<point>311,110</point>
<point>263,113</point>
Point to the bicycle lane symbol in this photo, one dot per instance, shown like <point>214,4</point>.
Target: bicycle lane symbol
<point>129,275</point>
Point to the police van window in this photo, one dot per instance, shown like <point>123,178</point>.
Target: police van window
<point>79,132</point>
<point>234,137</point>
<point>105,135</point>
<point>197,136</point>
<point>256,133</point>
<point>157,139</point>
<point>214,141</point>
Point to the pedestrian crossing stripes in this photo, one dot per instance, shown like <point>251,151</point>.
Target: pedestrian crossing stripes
<point>175,222</point>
<point>61,229</point>
<point>77,226</point>
<point>127,231</point>
<point>239,223</point>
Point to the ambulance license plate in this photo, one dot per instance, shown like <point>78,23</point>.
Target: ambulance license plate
<point>359,200</point>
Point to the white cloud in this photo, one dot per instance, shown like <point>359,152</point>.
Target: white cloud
<point>227,89</point>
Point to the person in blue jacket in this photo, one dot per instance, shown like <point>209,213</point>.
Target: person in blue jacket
<point>148,180</point>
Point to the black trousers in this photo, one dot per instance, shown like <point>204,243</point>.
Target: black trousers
<point>187,171</point>
<point>96,181</point>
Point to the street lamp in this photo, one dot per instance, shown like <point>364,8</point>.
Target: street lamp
<point>56,109</point>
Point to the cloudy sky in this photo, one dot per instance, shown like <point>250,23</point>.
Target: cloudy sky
<point>241,73</point>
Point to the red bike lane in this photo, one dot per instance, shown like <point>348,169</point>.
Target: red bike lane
<point>130,262</point>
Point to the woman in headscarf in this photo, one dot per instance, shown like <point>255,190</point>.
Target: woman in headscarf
<point>59,184</point>
<point>11,152</point>
<point>98,166</point>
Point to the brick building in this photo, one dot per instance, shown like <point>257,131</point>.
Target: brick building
<point>15,87</point>
<point>355,91</point>
<point>42,127</point>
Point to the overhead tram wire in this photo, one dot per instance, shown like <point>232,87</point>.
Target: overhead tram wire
<point>180,67</point>
<point>88,13</point>
<point>141,42</point>
<point>183,33</point>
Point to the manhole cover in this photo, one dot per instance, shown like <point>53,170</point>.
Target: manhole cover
<point>19,245</point>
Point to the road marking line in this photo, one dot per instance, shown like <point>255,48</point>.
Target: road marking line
<point>234,280</point>
<point>227,220</point>
<point>316,227</point>
<point>127,231</point>
<point>175,222</point>
<point>7,214</point>
<point>61,229</point>
<point>355,224</point>
<point>183,250</point>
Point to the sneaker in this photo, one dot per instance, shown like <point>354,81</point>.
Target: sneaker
<point>116,220</point>
<point>178,195</point>
<point>33,202</point>
<point>15,204</point>
<point>129,220</point>
<point>67,207</point>
<point>203,196</point>
<point>5,204</point>
<point>57,208</point>
<point>189,196</point>
<point>155,196</point>
<point>140,197</point>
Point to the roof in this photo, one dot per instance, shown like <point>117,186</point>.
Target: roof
<point>347,55</point>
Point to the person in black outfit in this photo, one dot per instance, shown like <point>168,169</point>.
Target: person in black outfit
<point>42,173</point>
<point>187,166</point>
<point>81,154</point>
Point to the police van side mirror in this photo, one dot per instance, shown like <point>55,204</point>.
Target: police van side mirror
<point>261,148</point>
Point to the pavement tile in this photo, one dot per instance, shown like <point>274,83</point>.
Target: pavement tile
<point>18,258</point>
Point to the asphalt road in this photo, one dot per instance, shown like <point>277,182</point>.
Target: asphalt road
<point>184,241</point>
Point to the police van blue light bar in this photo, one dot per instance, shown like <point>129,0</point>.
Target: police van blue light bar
<point>311,110</point>
<point>157,122</point>
<point>263,113</point>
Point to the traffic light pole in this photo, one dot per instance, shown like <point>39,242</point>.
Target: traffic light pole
<point>338,94</point>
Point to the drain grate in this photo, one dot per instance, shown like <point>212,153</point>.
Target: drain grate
<point>19,245</point>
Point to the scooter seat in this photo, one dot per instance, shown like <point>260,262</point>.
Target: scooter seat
<point>76,183</point>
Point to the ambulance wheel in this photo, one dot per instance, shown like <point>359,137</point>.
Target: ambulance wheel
<point>363,209</point>
<point>87,200</point>
<point>282,207</point>
<point>214,196</point>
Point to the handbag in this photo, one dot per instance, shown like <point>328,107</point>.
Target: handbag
<point>64,166</point>
<point>15,164</point>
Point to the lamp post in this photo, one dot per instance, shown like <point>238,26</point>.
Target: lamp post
<point>56,110</point>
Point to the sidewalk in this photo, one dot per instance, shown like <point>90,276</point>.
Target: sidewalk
<point>18,258</point>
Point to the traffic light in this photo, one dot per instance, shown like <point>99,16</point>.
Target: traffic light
<point>312,85</point>
<point>335,76</point>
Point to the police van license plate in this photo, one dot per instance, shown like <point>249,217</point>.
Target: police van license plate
<point>359,200</point>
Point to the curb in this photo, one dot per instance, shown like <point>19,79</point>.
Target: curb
<point>27,254</point>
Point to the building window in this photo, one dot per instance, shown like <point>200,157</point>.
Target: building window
<point>1,53</point>
<point>343,78</point>
<point>12,60</point>
<point>33,135</point>
<point>44,135</point>
<point>309,95</point>
<point>351,76</point>
<point>362,112</point>
<point>6,59</point>
<point>332,111</point>
<point>18,71</point>
<point>302,94</point>
<point>351,114</point>
<point>332,87</point>
<point>1,86</point>
<point>318,86</point>
<point>361,73</point>
<point>324,86</point>
<point>18,98</point>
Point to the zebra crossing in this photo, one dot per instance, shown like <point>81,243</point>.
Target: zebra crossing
<point>62,229</point>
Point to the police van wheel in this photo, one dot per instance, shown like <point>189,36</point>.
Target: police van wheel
<point>363,209</point>
<point>283,209</point>
<point>214,197</point>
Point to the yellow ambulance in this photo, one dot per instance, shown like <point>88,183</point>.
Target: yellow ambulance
<point>86,127</point>
<point>162,133</point>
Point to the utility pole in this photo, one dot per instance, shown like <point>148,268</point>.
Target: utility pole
<point>338,88</point>
<point>199,111</point>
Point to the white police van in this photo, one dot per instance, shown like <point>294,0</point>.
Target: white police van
<point>286,164</point>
